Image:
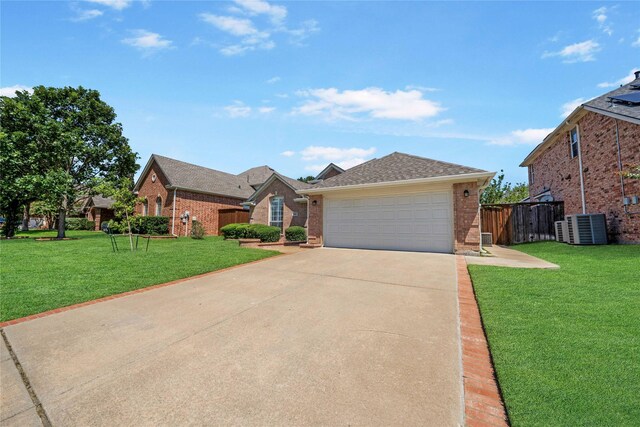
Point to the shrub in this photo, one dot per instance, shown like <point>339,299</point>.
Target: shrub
<point>265,233</point>
<point>116,228</point>
<point>251,231</point>
<point>197,230</point>
<point>150,224</point>
<point>295,234</point>
<point>79,224</point>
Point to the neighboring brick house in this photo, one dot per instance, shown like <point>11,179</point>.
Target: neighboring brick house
<point>277,202</point>
<point>399,202</point>
<point>98,209</point>
<point>172,188</point>
<point>581,160</point>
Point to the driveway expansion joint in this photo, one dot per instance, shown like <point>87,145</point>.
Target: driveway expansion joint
<point>25,381</point>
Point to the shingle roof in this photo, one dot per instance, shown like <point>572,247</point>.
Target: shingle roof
<point>293,183</point>
<point>604,104</point>
<point>395,167</point>
<point>258,175</point>
<point>102,202</point>
<point>198,178</point>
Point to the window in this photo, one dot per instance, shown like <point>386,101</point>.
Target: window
<point>531,174</point>
<point>276,211</point>
<point>574,141</point>
<point>158,206</point>
<point>145,208</point>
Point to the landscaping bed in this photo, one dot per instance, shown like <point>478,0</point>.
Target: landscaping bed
<point>36,277</point>
<point>565,342</point>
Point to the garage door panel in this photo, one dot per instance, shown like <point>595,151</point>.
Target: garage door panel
<point>418,222</point>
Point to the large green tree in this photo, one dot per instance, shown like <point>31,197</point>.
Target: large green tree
<point>59,143</point>
<point>500,191</point>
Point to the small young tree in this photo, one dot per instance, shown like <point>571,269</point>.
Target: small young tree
<point>125,200</point>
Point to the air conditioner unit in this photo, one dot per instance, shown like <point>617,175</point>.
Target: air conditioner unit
<point>587,229</point>
<point>562,231</point>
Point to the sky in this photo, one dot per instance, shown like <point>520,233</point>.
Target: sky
<point>295,85</point>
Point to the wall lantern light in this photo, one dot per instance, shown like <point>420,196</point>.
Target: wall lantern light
<point>314,203</point>
<point>466,193</point>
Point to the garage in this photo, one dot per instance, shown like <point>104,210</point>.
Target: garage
<point>398,202</point>
<point>411,222</point>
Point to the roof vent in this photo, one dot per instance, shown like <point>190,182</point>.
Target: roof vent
<point>637,74</point>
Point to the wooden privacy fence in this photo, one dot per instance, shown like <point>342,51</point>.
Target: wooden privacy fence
<point>231,216</point>
<point>521,222</point>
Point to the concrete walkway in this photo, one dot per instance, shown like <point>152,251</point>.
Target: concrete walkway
<point>325,336</point>
<point>502,256</point>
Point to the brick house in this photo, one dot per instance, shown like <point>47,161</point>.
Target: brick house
<point>277,202</point>
<point>172,188</point>
<point>581,160</point>
<point>399,202</point>
<point>98,209</point>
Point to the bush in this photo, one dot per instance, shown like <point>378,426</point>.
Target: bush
<point>149,224</point>
<point>197,230</point>
<point>295,234</point>
<point>251,231</point>
<point>116,228</point>
<point>79,224</point>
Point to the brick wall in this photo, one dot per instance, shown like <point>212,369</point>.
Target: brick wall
<point>466,217</point>
<point>556,170</point>
<point>260,212</point>
<point>204,207</point>
<point>315,219</point>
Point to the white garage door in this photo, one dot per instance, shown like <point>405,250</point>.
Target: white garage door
<point>417,222</point>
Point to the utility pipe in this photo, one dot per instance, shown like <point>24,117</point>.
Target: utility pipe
<point>584,203</point>
<point>173,222</point>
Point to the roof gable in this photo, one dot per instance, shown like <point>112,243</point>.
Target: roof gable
<point>329,168</point>
<point>196,178</point>
<point>257,176</point>
<point>396,167</point>
<point>294,184</point>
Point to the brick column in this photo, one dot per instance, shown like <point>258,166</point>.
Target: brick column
<point>466,217</point>
<point>314,229</point>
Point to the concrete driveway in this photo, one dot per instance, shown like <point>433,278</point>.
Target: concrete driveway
<point>325,336</point>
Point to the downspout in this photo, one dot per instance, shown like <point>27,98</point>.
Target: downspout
<point>308,201</point>
<point>584,204</point>
<point>480,219</point>
<point>173,222</point>
<point>620,172</point>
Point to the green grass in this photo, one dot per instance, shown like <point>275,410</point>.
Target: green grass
<point>40,276</point>
<point>566,343</point>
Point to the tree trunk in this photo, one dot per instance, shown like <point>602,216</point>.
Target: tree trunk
<point>61,218</point>
<point>9,229</point>
<point>25,217</point>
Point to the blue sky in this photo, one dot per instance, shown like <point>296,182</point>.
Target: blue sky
<point>295,85</point>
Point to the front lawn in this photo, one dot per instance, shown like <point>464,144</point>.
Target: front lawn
<point>566,343</point>
<point>40,276</point>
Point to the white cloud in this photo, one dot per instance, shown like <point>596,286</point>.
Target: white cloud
<point>568,107</point>
<point>238,109</point>
<point>577,52</point>
<point>374,102</point>
<point>636,43</point>
<point>600,16</point>
<point>277,14</point>
<point>300,34</point>
<point>249,36</point>
<point>10,91</point>
<point>85,15</point>
<point>273,80</point>
<point>288,153</point>
<point>523,137</point>
<point>229,24</point>
<point>147,41</point>
<point>266,110</point>
<point>344,157</point>
<point>114,4</point>
<point>623,81</point>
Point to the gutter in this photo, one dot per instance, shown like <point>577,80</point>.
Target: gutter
<point>447,178</point>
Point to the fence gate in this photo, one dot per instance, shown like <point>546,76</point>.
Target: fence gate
<point>521,222</point>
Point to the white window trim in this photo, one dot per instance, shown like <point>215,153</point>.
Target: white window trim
<point>158,206</point>
<point>271,222</point>
<point>145,208</point>
<point>532,175</point>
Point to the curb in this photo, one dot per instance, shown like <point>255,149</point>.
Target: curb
<point>125,294</point>
<point>483,404</point>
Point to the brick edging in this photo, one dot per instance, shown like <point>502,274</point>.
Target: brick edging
<point>483,405</point>
<point>124,294</point>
